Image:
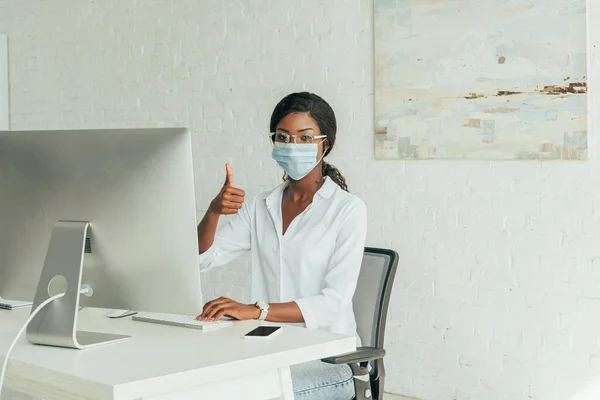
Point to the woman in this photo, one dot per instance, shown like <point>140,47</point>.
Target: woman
<point>307,239</point>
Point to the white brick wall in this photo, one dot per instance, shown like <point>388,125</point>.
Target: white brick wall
<point>498,292</point>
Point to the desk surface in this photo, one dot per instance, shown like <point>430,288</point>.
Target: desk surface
<point>157,357</point>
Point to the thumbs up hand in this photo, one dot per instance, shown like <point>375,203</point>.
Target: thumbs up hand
<point>230,199</point>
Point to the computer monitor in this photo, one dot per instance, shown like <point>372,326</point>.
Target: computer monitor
<point>113,209</point>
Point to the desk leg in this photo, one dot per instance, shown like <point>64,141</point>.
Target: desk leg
<point>285,379</point>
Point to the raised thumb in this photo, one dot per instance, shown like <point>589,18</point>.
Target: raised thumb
<point>229,176</point>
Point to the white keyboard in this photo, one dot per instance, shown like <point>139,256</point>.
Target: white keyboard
<point>184,321</point>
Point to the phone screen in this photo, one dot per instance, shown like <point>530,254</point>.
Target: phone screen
<point>263,331</point>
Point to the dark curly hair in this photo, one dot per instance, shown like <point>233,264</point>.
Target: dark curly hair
<point>323,114</point>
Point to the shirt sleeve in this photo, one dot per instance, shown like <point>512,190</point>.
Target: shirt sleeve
<point>341,277</point>
<point>231,240</point>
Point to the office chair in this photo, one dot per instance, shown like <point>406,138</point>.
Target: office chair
<point>370,302</point>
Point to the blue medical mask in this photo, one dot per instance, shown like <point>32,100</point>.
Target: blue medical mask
<point>297,160</point>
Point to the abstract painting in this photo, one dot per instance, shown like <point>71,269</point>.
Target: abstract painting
<point>3,82</point>
<point>486,79</point>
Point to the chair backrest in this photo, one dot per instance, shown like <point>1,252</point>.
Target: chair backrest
<point>372,295</point>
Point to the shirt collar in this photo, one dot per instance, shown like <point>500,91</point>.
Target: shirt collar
<point>326,191</point>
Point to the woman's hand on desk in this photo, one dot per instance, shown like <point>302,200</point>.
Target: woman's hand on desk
<point>224,307</point>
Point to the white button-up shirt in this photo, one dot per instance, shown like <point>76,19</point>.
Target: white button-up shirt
<point>315,263</point>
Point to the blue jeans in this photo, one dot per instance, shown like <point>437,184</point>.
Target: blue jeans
<point>317,380</point>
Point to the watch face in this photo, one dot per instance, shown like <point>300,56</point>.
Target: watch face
<point>262,305</point>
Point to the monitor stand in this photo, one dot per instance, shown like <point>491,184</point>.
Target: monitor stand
<point>56,324</point>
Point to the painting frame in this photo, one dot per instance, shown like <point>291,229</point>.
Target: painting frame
<point>449,86</point>
<point>4,89</point>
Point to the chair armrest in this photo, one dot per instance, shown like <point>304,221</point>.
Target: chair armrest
<point>362,354</point>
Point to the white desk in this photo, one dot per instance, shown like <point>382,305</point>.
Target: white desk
<point>163,362</point>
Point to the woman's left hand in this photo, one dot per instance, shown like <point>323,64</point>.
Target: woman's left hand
<point>224,307</point>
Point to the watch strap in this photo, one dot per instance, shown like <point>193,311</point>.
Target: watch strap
<point>263,314</point>
<point>263,310</point>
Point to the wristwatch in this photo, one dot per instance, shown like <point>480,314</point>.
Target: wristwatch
<point>263,306</point>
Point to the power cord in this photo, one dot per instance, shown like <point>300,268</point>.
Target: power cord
<point>12,345</point>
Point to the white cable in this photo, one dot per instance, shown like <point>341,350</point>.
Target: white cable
<point>12,345</point>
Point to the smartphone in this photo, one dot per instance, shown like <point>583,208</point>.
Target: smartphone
<point>263,332</point>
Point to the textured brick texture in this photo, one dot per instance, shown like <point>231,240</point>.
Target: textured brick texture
<point>497,296</point>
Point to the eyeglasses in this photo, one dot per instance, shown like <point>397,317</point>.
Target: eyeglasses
<point>283,137</point>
